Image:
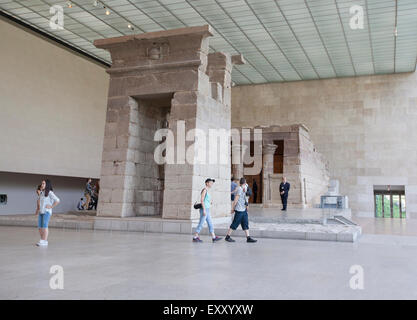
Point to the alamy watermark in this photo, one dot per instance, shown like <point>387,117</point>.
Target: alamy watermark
<point>357,281</point>
<point>56,22</point>
<point>356,21</point>
<point>212,146</point>
<point>57,280</point>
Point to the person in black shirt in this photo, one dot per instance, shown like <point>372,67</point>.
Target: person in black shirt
<point>284,187</point>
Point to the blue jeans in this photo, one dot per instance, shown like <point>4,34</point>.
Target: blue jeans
<point>203,218</point>
<point>43,220</point>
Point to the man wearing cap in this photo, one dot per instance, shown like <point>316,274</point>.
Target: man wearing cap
<point>205,213</point>
<point>239,208</point>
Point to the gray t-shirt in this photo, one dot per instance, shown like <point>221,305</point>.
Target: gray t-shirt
<point>240,205</point>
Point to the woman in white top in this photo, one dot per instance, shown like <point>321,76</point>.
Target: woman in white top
<point>46,202</point>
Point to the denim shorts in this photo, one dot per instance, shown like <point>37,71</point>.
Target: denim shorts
<point>43,220</point>
<point>241,217</point>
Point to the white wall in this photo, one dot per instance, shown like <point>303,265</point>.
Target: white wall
<point>52,107</point>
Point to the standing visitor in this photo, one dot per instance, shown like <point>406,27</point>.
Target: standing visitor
<point>80,205</point>
<point>284,188</point>
<point>46,202</point>
<point>88,193</point>
<point>205,213</point>
<point>96,191</point>
<point>233,188</point>
<point>239,208</point>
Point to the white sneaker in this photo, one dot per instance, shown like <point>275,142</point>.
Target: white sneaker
<point>42,243</point>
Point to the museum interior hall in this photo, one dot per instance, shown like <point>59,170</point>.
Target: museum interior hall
<point>141,122</point>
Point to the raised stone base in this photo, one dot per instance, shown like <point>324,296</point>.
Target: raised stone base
<point>70,221</point>
<point>159,225</point>
<point>296,215</point>
<point>298,231</point>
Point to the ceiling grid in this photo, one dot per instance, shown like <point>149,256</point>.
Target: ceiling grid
<point>282,40</point>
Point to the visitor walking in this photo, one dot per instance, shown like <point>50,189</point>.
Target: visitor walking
<point>239,208</point>
<point>88,192</point>
<point>46,202</point>
<point>205,213</point>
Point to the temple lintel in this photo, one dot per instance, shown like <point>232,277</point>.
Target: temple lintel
<point>204,31</point>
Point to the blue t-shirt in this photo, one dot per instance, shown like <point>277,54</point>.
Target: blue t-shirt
<point>207,200</point>
<point>234,185</point>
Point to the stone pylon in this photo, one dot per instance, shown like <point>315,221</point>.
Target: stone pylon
<point>165,79</point>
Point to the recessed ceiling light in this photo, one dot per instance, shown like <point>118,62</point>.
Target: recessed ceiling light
<point>107,12</point>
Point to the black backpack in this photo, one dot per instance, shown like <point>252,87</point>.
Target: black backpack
<point>249,192</point>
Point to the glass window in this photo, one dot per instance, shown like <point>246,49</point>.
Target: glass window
<point>378,206</point>
<point>387,206</point>
<point>396,206</point>
<point>402,206</point>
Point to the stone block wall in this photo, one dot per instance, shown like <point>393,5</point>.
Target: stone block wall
<point>118,171</point>
<point>364,126</point>
<point>314,171</point>
<point>174,64</point>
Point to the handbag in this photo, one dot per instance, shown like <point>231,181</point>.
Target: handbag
<point>198,205</point>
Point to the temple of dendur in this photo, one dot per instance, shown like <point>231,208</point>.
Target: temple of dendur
<point>161,79</point>
<point>158,78</point>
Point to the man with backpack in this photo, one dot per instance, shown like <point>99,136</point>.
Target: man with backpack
<point>239,208</point>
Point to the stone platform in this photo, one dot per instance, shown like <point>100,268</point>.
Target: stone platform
<point>79,221</point>
<point>304,231</point>
<point>296,231</point>
<point>297,216</point>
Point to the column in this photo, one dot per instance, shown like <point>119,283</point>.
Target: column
<point>268,151</point>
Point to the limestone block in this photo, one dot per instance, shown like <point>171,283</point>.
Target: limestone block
<point>183,111</point>
<point>112,116</point>
<point>171,227</point>
<point>153,226</point>
<point>105,194</point>
<point>122,141</point>
<point>216,91</point>
<point>186,97</point>
<point>136,226</point>
<point>110,129</point>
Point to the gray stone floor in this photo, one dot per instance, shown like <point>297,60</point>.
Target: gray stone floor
<point>134,265</point>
